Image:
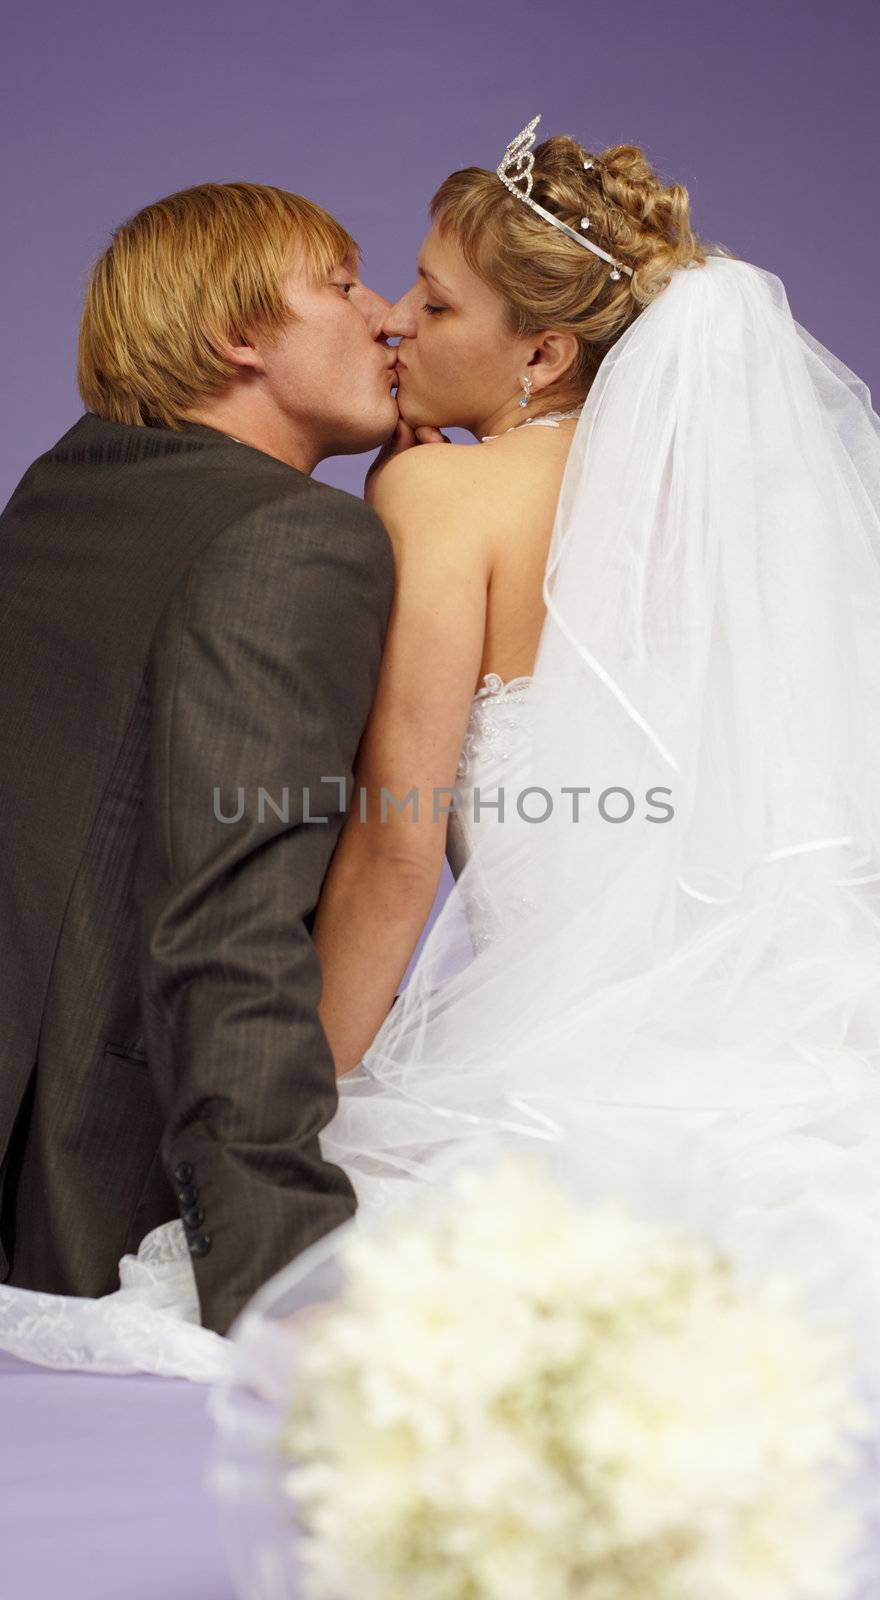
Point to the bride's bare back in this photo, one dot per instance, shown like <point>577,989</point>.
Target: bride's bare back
<point>470,526</point>
<point>514,506</point>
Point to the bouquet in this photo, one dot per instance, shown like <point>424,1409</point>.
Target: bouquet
<point>517,1397</point>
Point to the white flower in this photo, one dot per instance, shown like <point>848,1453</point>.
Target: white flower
<point>519,1398</point>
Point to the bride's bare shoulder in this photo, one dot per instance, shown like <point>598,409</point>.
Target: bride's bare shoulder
<point>449,475</point>
<point>425,463</point>
<point>428,482</point>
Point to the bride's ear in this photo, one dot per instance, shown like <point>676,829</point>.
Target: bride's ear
<point>552,358</point>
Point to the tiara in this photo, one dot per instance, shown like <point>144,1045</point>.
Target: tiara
<point>516,169</point>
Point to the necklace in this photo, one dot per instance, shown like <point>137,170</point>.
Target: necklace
<point>551,419</point>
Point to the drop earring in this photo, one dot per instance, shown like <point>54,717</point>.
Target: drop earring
<point>527,386</point>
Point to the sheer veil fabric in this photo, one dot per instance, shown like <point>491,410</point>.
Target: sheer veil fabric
<point>712,645</point>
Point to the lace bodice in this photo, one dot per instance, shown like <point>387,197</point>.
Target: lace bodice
<point>496,739</point>
<point>495,726</point>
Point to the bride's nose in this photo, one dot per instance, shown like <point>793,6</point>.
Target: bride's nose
<point>400,321</point>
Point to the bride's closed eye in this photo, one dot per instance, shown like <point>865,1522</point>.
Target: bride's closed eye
<point>434,310</point>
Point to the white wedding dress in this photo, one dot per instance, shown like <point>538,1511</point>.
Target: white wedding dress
<point>799,1185</point>
<point>694,1003</point>
<point>686,1012</point>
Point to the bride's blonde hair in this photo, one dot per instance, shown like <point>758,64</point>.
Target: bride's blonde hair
<point>546,280</point>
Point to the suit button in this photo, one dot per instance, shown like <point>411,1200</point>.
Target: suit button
<point>200,1244</point>
<point>183,1171</point>
<point>194,1217</point>
<point>188,1196</point>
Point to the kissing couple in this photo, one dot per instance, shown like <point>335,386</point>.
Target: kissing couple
<point>655,571</point>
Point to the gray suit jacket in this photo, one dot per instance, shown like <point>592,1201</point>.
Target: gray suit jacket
<point>179,614</point>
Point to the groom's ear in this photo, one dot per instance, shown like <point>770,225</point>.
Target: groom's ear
<point>238,349</point>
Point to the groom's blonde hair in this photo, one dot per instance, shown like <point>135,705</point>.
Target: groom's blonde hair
<point>181,276</point>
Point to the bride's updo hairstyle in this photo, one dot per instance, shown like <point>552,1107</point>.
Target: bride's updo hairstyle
<point>544,278</point>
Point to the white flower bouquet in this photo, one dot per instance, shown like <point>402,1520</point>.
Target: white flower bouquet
<point>517,1397</point>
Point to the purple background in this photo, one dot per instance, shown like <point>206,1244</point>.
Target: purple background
<point>764,109</point>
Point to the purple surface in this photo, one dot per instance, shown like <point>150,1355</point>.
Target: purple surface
<point>102,1491</point>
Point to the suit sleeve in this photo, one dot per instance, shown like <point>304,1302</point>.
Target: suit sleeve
<point>262,671</point>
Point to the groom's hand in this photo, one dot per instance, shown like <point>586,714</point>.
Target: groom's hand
<point>403,438</point>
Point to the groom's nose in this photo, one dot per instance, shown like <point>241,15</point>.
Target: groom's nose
<point>373,307</point>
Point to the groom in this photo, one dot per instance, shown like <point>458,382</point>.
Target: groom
<point>191,636</point>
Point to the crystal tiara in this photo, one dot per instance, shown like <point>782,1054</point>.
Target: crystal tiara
<point>515,172</point>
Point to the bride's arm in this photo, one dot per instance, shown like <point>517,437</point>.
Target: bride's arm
<point>384,874</point>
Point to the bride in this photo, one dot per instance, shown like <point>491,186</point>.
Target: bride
<point>634,649</point>
<point>631,687</point>
<point>635,633</point>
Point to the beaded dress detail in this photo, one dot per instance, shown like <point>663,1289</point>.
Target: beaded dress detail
<point>498,732</point>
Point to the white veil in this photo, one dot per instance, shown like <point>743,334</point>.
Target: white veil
<point>713,630</point>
